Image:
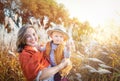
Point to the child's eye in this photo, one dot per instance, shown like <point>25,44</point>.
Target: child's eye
<point>61,36</point>
<point>56,36</point>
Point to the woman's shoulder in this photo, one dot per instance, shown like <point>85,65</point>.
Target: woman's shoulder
<point>28,50</point>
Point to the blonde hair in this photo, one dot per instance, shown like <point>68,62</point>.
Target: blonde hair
<point>21,39</point>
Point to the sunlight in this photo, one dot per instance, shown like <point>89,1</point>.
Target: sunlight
<point>97,12</point>
<point>94,52</point>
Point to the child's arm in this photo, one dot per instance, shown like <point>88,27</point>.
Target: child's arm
<point>40,47</point>
<point>67,53</point>
<point>67,49</point>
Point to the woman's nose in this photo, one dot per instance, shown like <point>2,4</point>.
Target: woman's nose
<point>32,37</point>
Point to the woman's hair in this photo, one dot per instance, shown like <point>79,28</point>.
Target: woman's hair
<point>21,39</point>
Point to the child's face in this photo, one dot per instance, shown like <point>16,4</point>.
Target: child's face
<point>57,37</point>
<point>31,37</point>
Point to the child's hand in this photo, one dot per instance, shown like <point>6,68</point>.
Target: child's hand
<point>37,45</point>
<point>70,45</point>
<point>67,49</point>
<point>40,47</point>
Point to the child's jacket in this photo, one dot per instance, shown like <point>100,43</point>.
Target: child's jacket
<point>58,55</point>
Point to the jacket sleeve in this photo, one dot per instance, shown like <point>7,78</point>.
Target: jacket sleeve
<point>31,64</point>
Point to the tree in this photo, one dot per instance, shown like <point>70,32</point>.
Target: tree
<point>1,12</point>
<point>41,8</point>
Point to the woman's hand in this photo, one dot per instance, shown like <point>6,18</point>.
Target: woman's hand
<point>64,63</point>
<point>53,70</point>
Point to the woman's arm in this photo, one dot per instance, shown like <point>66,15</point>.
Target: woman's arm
<point>46,73</point>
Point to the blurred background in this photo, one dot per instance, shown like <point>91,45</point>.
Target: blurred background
<point>93,27</point>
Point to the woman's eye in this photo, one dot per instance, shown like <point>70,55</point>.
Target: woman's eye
<point>27,36</point>
<point>33,34</point>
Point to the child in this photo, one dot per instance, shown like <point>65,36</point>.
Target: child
<point>58,48</point>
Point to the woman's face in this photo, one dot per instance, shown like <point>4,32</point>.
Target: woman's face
<point>31,37</point>
<point>57,37</point>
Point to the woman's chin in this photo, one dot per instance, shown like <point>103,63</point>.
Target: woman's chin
<point>32,44</point>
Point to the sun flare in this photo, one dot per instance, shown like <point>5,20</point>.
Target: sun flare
<point>97,12</point>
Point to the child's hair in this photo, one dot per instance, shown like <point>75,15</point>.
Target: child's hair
<point>21,39</point>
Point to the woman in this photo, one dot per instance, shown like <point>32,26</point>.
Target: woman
<point>34,64</point>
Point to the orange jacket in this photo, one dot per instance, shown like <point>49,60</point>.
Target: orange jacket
<point>32,62</point>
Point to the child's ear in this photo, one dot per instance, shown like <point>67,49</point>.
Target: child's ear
<point>51,36</point>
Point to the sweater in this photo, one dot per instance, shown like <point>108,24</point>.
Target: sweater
<point>32,62</point>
